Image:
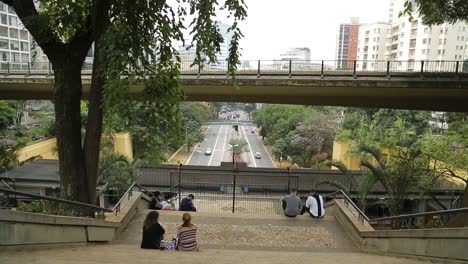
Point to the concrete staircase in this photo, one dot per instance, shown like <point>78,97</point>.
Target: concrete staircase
<point>251,232</point>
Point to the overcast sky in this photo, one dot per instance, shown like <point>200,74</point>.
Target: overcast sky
<point>273,26</point>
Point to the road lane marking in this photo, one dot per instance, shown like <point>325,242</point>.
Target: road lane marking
<point>268,153</point>
<point>216,143</point>
<point>195,148</point>
<point>248,143</point>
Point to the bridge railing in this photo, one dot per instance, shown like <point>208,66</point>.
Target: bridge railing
<point>321,68</point>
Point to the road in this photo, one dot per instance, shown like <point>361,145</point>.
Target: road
<point>217,139</point>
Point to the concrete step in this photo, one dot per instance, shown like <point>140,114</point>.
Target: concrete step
<point>250,232</point>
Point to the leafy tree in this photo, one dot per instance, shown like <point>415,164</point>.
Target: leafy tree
<point>8,157</point>
<point>239,146</point>
<point>312,137</point>
<point>249,108</point>
<point>449,157</point>
<point>133,41</point>
<point>116,172</point>
<point>361,187</point>
<point>400,174</point>
<point>436,12</point>
<point>7,114</point>
<point>216,106</point>
<point>276,121</point>
<point>193,115</point>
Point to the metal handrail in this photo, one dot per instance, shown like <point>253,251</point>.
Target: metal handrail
<point>362,216</point>
<point>128,193</point>
<point>433,213</point>
<point>48,198</point>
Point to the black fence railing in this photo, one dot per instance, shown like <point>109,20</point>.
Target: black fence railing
<point>281,67</point>
<point>60,206</point>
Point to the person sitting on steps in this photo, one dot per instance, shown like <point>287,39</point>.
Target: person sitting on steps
<point>153,232</point>
<point>314,205</point>
<point>291,204</point>
<point>187,204</point>
<point>187,234</point>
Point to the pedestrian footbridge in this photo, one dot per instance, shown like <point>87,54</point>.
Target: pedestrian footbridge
<point>431,85</point>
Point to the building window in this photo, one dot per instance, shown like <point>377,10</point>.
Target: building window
<point>4,55</point>
<point>14,45</point>
<point>3,31</point>
<point>4,19</point>
<point>463,38</point>
<point>456,56</point>
<point>427,41</point>
<point>15,57</point>
<point>3,43</point>
<point>427,30</point>
<point>13,33</point>
<point>24,46</point>
<point>2,7</point>
<point>11,10</point>
<point>13,21</point>
<point>24,58</point>
<point>24,35</point>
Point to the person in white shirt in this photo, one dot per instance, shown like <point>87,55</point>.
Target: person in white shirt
<point>314,205</point>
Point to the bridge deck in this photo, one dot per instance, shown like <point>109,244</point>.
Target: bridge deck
<point>436,91</point>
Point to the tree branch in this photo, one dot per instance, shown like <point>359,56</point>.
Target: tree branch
<point>35,24</point>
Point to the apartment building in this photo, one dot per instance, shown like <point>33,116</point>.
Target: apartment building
<point>346,44</point>
<point>411,41</point>
<point>371,46</point>
<point>14,40</point>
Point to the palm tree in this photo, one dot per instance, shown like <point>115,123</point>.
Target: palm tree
<point>362,187</point>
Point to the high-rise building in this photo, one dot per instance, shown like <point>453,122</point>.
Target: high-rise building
<point>14,40</point>
<point>371,46</point>
<point>412,41</point>
<point>346,44</point>
<point>298,53</point>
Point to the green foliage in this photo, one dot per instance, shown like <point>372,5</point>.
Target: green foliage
<point>117,172</point>
<point>276,121</point>
<point>8,156</point>
<point>313,136</point>
<point>49,207</point>
<point>7,114</point>
<point>239,146</point>
<point>64,17</point>
<point>216,107</point>
<point>436,12</point>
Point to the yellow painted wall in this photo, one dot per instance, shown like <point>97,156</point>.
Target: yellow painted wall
<point>340,153</point>
<point>47,149</point>
<point>123,145</point>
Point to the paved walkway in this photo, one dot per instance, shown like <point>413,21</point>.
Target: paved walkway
<point>132,254</point>
<point>243,231</point>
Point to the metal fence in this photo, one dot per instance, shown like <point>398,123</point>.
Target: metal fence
<point>247,190</point>
<point>281,67</point>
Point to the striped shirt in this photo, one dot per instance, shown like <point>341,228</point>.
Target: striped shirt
<point>187,238</point>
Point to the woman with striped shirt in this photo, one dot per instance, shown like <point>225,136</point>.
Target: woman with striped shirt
<point>187,234</point>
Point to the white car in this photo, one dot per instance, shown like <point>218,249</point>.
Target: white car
<point>258,155</point>
<point>208,151</point>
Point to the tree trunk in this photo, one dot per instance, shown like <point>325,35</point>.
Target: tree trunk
<point>67,99</point>
<point>94,125</point>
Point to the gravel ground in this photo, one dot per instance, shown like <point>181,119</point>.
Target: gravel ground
<point>260,235</point>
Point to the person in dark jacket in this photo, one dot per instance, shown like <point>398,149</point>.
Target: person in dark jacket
<point>187,204</point>
<point>153,232</point>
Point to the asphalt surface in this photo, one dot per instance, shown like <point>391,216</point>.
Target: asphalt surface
<point>217,139</point>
